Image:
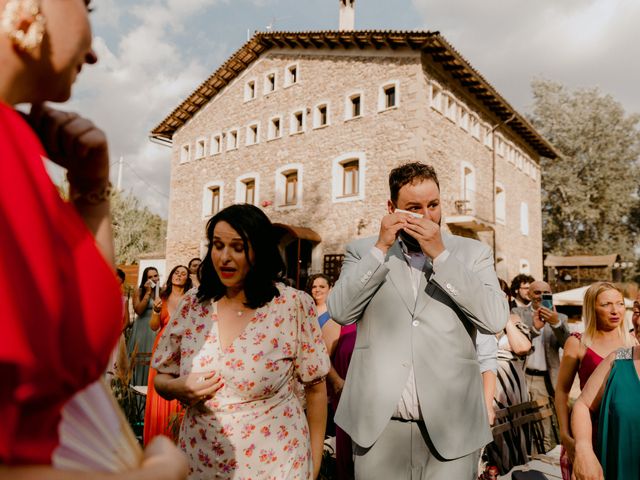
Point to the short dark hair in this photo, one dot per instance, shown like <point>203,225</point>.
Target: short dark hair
<point>312,278</point>
<point>409,173</point>
<point>519,280</point>
<point>256,230</point>
<point>121,275</point>
<point>169,285</point>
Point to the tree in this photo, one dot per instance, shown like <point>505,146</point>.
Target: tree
<point>136,230</point>
<point>589,195</point>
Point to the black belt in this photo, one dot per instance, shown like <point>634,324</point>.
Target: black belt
<point>536,373</point>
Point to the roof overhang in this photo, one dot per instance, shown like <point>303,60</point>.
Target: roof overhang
<point>581,260</point>
<point>303,233</point>
<point>429,43</point>
<point>469,222</point>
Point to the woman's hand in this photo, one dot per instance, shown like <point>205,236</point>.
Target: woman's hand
<point>586,465</point>
<point>337,383</point>
<point>157,305</point>
<point>569,445</point>
<point>165,459</point>
<point>189,389</point>
<point>148,287</point>
<point>74,143</point>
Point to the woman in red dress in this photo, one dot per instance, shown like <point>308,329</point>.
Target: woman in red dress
<point>58,331</point>
<point>158,412</point>
<point>605,332</point>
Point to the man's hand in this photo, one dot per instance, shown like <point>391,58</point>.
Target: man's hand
<point>427,234</point>
<point>390,225</point>
<point>549,316</point>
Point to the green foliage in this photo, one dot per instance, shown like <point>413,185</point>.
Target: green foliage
<point>590,195</point>
<point>136,230</point>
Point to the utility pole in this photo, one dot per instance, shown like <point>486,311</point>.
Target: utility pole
<point>120,165</point>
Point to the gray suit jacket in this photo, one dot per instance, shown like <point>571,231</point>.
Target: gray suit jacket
<point>552,338</point>
<point>435,333</point>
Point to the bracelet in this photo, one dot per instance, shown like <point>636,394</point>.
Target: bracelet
<point>94,196</point>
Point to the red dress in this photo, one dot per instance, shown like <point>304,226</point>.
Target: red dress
<point>158,412</point>
<point>61,307</point>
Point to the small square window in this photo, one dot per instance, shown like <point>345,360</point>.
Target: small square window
<point>321,116</point>
<point>215,199</point>
<point>184,153</point>
<point>436,97</point>
<point>253,134</point>
<point>291,188</point>
<point>274,128</point>
<point>355,106</point>
<point>200,147</point>
<point>297,122</point>
<point>250,191</point>
<point>250,90</point>
<point>292,74</point>
<point>216,144</point>
<point>270,83</point>
<point>232,140</point>
<point>390,96</point>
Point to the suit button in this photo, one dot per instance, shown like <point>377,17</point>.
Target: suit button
<point>405,364</point>
<point>415,323</point>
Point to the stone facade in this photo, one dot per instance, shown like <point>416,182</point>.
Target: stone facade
<point>415,128</point>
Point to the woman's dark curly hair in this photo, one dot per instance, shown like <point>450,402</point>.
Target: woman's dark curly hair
<point>256,231</point>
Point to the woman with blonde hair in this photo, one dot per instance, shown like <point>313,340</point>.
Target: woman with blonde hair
<point>59,332</point>
<point>605,332</point>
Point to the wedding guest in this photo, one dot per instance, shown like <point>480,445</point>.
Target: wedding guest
<point>58,332</point>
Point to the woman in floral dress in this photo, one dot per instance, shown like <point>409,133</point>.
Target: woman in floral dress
<point>233,353</point>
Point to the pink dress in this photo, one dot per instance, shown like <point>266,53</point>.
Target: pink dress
<point>254,427</point>
<point>588,364</point>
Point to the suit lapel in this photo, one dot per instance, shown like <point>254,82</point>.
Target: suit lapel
<point>400,275</point>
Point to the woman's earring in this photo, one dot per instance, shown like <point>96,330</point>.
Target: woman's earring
<point>11,22</point>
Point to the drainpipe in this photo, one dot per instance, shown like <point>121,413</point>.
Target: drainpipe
<point>493,175</point>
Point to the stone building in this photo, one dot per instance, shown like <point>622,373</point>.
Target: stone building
<point>307,125</point>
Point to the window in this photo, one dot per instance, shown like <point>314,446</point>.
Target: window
<point>216,143</point>
<point>451,108</point>
<point>275,130</point>
<point>297,122</point>
<point>184,153</point>
<point>232,140</point>
<point>212,198</point>
<point>388,96</point>
<point>200,147</point>
<point>291,75</point>
<point>468,188</point>
<point>270,82</point>
<point>487,134</point>
<point>474,127</point>
<point>519,160</point>
<point>247,190</point>
<point>524,267</point>
<point>436,97</point>
<point>289,186</point>
<point>253,134</point>
<point>501,204</point>
<point>524,218</point>
<point>250,192</point>
<point>464,119</point>
<point>215,200</point>
<point>321,116</point>
<point>500,146</point>
<point>250,90</point>
<point>348,177</point>
<point>353,105</point>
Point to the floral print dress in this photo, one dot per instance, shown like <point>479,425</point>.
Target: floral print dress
<point>254,427</point>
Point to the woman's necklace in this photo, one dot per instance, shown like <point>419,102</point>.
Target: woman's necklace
<point>239,311</point>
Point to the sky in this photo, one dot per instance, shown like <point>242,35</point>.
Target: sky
<point>154,53</point>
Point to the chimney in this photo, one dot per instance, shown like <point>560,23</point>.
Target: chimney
<point>347,15</point>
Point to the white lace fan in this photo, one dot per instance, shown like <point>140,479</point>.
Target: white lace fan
<point>95,435</point>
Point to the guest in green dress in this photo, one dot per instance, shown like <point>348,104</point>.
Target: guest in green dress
<point>615,387</point>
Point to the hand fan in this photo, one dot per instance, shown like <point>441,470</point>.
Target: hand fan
<point>95,435</point>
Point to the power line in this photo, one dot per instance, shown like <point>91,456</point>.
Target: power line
<point>152,187</point>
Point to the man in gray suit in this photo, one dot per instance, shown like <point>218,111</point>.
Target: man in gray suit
<point>549,331</point>
<point>412,401</point>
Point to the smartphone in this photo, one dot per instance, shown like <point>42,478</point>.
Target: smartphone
<point>547,301</point>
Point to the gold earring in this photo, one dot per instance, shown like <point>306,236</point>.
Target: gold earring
<point>10,20</point>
